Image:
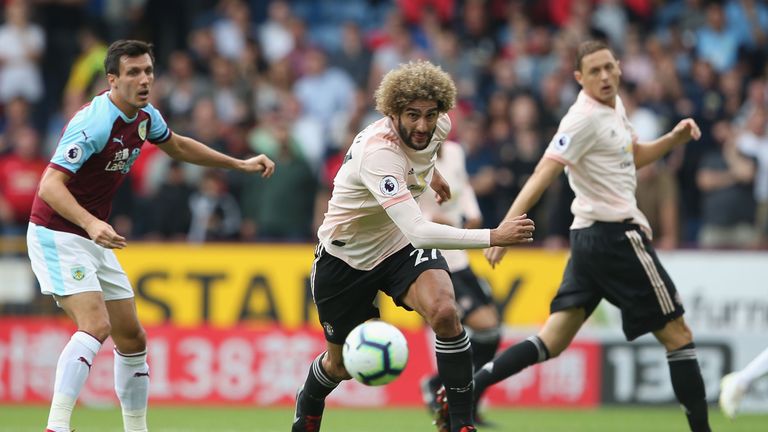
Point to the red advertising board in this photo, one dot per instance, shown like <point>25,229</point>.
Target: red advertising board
<point>263,366</point>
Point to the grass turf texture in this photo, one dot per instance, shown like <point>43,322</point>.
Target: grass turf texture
<point>18,418</point>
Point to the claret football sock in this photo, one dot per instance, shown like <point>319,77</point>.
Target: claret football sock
<point>132,388</point>
<point>71,372</point>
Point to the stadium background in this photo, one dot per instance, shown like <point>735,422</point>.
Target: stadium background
<point>220,261</point>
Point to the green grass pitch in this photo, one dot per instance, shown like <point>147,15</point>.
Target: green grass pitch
<point>19,418</point>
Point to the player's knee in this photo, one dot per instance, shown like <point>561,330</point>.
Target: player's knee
<point>131,341</point>
<point>99,329</point>
<point>443,317</point>
<point>675,334</point>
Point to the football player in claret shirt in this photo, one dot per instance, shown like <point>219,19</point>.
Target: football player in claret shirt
<point>70,242</point>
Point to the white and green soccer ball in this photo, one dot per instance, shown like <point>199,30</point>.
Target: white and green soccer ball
<point>375,353</point>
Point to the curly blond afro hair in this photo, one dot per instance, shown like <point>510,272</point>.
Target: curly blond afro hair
<point>416,80</point>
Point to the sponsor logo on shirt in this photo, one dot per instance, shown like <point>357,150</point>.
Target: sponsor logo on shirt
<point>73,153</point>
<point>123,160</point>
<point>389,186</point>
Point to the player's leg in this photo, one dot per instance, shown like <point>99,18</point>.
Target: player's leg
<point>130,357</point>
<point>431,295</point>
<point>325,374</point>
<point>734,386</point>
<point>687,381</point>
<point>480,315</point>
<point>574,302</point>
<point>62,263</point>
<point>344,298</point>
<point>649,302</point>
<point>554,338</point>
<point>130,363</point>
<point>90,315</point>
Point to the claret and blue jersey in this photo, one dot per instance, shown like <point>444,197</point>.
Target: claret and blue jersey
<point>97,149</point>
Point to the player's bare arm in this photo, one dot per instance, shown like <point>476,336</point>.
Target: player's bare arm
<point>441,187</point>
<point>53,190</point>
<point>648,152</point>
<point>545,173</point>
<point>190,150</point>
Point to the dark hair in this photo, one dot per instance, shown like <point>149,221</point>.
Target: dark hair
<point>587,48</point>
<point>125,47</point>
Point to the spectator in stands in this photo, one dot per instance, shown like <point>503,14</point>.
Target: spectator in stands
<point>215,213</point>
<point>86,78</point>
<point>232,29</point>
<point>180,89</point>
<point>21,48</point>
<point>752,141</point>
<point>354,57</point>
<point>231,94</point>
<point>20,172</point>
<point>283,219</point>
<point>726,179</point>
<point>335,86</point>
<point>274,34</point>
<point>172,198</point>
<point>481,165</point>
<point>716,43</point>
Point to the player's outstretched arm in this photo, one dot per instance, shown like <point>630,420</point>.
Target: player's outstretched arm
<point>545,173</point>
<point>648,152</point>
<point>190,150</point>
<point>53,190</point>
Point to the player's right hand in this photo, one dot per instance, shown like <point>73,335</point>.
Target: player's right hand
<point>104,235</point>
<point>519,229</point>
<point>260,163</point>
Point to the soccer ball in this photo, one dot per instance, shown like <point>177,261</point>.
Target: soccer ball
<point>375,353</point>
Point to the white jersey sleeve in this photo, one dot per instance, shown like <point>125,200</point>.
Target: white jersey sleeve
<point>382,173</point>
<point>425,234</point>
<point>573,139</point>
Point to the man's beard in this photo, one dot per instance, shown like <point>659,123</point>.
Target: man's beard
<point>406,137</point>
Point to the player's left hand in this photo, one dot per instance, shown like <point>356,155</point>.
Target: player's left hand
<point>687,129</point>
<point>441,188</point>
<point>260,163</point>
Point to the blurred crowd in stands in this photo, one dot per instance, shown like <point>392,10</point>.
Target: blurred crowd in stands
<point>294,80</point>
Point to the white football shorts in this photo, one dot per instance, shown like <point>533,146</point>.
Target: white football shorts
<point>67,264</point>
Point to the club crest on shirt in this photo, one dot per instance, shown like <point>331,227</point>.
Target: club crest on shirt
<point>389,186</point>
<point>73,153</point>
<point>561,142</point>
<point>78,272</point>
<point>143,129</point>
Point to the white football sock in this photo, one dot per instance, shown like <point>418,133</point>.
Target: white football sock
<point>71,372</point>
<point>754,370</point>
<point>132,388</point>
